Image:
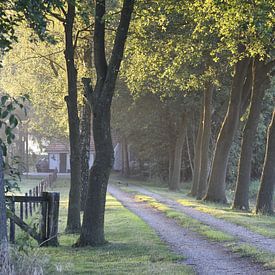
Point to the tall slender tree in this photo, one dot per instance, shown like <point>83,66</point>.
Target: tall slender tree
<point>205,141</point>
<point>73,220</point>
<point>264,203</point>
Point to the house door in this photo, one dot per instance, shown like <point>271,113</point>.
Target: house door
<point>62,164</point>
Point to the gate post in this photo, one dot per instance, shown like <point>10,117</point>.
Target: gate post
<point>12,225</point>
<point>53,211</point>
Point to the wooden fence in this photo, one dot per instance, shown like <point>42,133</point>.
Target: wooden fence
<point>37,200</point>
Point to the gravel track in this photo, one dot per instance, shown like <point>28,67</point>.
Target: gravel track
<point>206,257</point>
<point>239,232</point>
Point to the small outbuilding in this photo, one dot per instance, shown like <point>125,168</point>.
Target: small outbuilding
<point>59,156</point>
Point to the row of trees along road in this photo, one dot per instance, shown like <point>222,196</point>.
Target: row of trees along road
<point>193,50</point>
<point>182,61</point>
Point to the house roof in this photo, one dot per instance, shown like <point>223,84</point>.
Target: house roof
<point>57,147</point>
<point>61,147</point>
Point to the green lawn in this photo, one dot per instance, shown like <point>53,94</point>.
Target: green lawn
<point>132,248</point>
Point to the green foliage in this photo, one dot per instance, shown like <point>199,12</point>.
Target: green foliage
<point>38,69</point>
<point>9,119</point>
<point>12,12</point>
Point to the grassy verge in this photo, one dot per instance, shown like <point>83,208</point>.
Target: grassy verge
<point>132,248</point>
<point>261,224</point>
<point>187,222</point>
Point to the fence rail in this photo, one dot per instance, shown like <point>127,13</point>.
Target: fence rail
<point>28,204</point>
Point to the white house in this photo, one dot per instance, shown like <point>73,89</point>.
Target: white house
<point>59,156</point>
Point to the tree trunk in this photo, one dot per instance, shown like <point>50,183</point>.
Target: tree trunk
<point>3,214</point>
<point>189,154</point>
<point>197,157</point>
<point>92,231</point>
<point>260,81</point>
<point>171,163</point>
<point>73,220</point>
<point>175,180</point>
<point>4,253</point>
<point>205,142</point>
<point>85,135</point>
<point>265,195</point>
<point>216,187</point>
<point>125,158</point>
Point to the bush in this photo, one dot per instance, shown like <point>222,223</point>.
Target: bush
<point>15,261</point>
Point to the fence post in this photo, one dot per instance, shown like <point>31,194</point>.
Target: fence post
<point>21,211</point>
<point>43,222</point>
<point>30,203</point>
<point>12,225</point>
<point>26,207</point>
<point>37,193</point>
<point>53,211</point>
<point>50,180</point>
<point>34,194</point>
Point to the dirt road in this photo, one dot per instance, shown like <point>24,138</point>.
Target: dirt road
<point>205,257</point>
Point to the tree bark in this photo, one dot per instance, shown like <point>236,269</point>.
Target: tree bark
<point>3,213</point>
<point>92,231</point>
<point>4,253</point>
<point>175,180</point>
<point>260,82</point>
<point>205,142</point>
<point>265,195</point>
<point>197,157</point>
<point>216,187</point>
<point>125,158</point>
<point>85,135</point>
<point>171,163</point>
<point>73,220</point>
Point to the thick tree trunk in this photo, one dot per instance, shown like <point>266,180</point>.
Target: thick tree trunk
<point>175,180</point>
<point>85,135</point>
<point>3,214</point>
<point>73,220</point>
<point>197,158</point>
<point>265,195</point>
<point>92,231</point>
<point>205,142</point>
<point>216,187</point>
<point>260,81</point>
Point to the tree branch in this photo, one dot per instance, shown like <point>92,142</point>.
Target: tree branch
<point>57,16</point>
<point>99,41</point>
<point>42,56</point>
<point>119,44</point>
<point>80,31</point>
